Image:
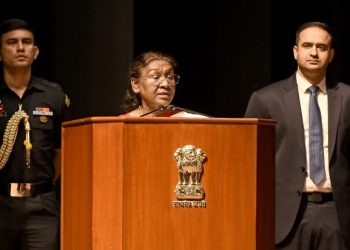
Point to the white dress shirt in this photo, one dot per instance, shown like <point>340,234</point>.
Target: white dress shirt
<point>322,99</point>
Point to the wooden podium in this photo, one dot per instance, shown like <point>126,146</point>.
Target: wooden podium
<point>119,177</point>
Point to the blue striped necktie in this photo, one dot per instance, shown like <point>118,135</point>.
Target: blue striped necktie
<point>316,161</point>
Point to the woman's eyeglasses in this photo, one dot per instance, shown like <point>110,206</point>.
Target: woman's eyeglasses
<point>157,79</point>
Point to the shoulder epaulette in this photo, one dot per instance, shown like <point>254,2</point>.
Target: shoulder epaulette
<point>51,85</point>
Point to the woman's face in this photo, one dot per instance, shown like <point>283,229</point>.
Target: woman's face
<point>155,85</point>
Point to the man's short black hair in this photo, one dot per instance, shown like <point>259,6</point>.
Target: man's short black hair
<point>321,25</point>
<point>14,24</point>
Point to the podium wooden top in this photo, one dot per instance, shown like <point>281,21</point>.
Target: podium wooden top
<point>115,119</point>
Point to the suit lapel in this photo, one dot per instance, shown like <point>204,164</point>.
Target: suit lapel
<point>292,105</point>
<point>334,110</point>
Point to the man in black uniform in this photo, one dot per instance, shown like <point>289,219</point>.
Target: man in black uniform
<point>31,112</point>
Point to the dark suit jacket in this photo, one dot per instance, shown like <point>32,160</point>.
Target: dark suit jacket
<point>280,101</point>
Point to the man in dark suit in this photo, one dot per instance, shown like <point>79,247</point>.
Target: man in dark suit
<point>311,213</point>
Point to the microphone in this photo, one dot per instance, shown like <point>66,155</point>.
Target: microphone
<point>167,111</point>
<point>173,107</point>
<point>161,108</point>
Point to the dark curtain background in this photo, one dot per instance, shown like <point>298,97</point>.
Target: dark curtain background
<point>225,49</point>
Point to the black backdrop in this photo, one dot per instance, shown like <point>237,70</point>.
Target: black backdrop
<point>225,48</point>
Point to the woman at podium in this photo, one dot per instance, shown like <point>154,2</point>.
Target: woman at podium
<point>153,81</point>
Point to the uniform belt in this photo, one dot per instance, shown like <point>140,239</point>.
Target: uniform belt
<point>25,189</point>
<point>317,197</point>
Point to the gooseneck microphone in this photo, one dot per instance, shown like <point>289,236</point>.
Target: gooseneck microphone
<point>171,110</point>
<point>173,107</point>
<point>161,108</point>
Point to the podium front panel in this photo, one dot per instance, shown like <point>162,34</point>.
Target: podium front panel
<point>133,176</point>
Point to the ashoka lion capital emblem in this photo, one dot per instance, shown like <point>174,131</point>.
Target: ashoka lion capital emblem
<point>190,162</point>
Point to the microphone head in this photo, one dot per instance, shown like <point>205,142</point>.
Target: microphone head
<point>170,107</point>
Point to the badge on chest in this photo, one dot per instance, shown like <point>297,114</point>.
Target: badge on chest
<point>2,110</point>
<point>43,112</point>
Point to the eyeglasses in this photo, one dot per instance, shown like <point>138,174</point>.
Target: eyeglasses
<point>157,79</point>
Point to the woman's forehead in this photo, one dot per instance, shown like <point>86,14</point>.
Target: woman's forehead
<point>159,65</point>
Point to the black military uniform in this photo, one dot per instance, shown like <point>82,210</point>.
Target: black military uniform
<point>31,216</point>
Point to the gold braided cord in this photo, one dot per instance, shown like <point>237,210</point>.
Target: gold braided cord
<point>10,135</point>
